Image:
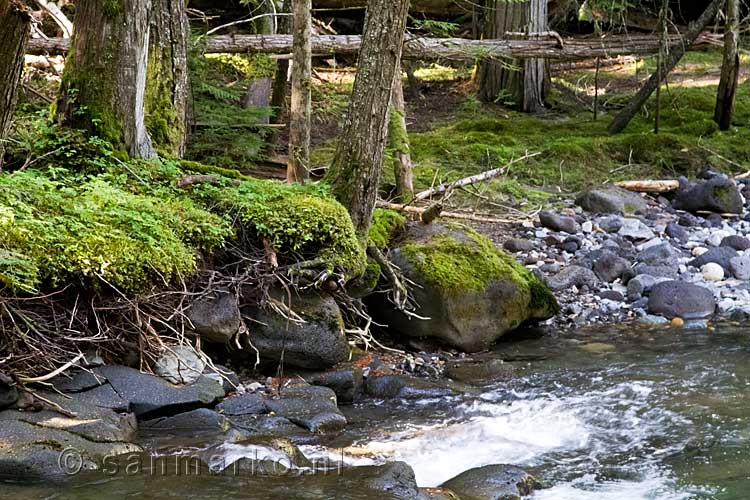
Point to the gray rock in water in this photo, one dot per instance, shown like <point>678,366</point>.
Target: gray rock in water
<point>347,383</point>
<point>679,299</point>
<point>516,245</point>
<point>717,255</point>
<point>493,482</point>
<point>610,199</point>
<point>572,276</point>
<point>737,242</point>
<point>718,194</point>
<point>318,343</point>
<point>309,406</point>
<point>609,267</point>
<point>179,365</point>
<point>200,421</point>
<point>635,230</point>
<point>740,267</point>
<point>611,224</point>
<point>250,403</point>
<point>403,386</point>
<point>677,232</point>
<point>479,370</point>
<point>216,318</point>
<point>559,222</point>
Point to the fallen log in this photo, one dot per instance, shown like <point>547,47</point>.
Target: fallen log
<point>648,186</point>
<point>460,49</point>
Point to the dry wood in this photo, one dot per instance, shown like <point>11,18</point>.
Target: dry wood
<point>460,49</point>
<point>443,189</point>
<point>649,186</point>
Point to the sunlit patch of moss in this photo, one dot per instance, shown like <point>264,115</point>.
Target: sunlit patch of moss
<point>385,225</point>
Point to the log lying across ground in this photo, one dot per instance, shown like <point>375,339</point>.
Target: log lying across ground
<point>423,48</point>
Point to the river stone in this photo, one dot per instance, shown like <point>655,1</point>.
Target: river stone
<point>740,267</point>
<point>31,442</point>
<point>573,275</point>
<point>717,255</point>
<point>309,406</point>
<point>677,232</point>
<point>493,482</point>
<point>200,421</point>
<point>718,194</point>
<point>669,272</point>
<point>712,272</point>
<point>472,292</point>
<point>250,403</point>
<point>559,223</point>
<point>516,245</point>
<point>318,343</point>
<point>216,318</point>
<point>736,241</point>
<point>673,299</point>
<point>662,254</point>
<point>611,224</point>
<point>347,383</point>
<point>609,267</point>
<point>635,230</point>
<point>610,199</point>
<point>479,370</point>
<point>388,386</point>
<point>150,396</point>
<point>640,285</point>
<point>179,365</point>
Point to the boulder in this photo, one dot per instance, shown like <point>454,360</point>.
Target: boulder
<point>717,255</point>
<point>718,194</point>
<point>309,406</point>
<point>559,223</point>
<point>179,365</point>
<point>216,318</point>
<point>610,199</point>
<point>493,482</point>
<point>472,292</point>
<point>318,343</point>
<point>578,276</point>
<point>677,299</point>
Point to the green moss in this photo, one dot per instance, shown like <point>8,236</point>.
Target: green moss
<point>385,225</point>
<point>165,125</point>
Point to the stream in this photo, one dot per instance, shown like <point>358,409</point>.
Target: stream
<point>615,413</point>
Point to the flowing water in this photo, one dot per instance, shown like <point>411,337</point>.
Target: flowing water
<point>619,414</point>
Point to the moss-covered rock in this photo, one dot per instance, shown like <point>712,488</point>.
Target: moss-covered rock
<point>472,292</point>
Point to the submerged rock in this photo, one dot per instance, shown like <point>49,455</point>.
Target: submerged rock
<point>472,292</point>
<point>718,194</point>
<point>493,482</point>
<point>679,299</point>
<point>610,199</point>
<point>317,343</point>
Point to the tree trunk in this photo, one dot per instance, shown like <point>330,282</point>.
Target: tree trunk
<point>301,107</point>
<point>104,83</point>
<point>730,70</point>
<point>398,143</point>
<point>15,20</point>
<point>525,82</point>
<point>278,94</point>
<point>675,54</point>
<point>355,171</point>
<point>167,78</point>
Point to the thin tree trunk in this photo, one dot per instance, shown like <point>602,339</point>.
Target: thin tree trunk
<point>167,78</point>
<point>278,94</point>
<point>675,54</point>
<point>15,20</point>
<point>398,143</point>
<point>357,164</point>
<point>104,83</point>
<point>730,70</point>
<point>301,106</point>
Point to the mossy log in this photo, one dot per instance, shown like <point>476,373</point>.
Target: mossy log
<point>16,22</point>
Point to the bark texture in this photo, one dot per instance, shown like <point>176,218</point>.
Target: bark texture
<point>301,105</point>
<point>525,82</point>
<point>730,70</point>
<point>167,77</point>
<point>355,172</point>
<point>104,84</point>
<point>398,143</point>
<point>16,23</point>
<point>675,54</point>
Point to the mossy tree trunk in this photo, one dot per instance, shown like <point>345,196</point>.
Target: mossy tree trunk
<point>278,94</point>
<point>730,70</point>
<point>525,82</point>
<point>15,20</point>
<point>104,84</point>
<point>355,171</point>
<point>301,106</point>
<point>167,90</point>
<point>398,143</point>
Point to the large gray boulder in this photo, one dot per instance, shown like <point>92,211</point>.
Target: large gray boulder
<point>472,292</point>
<point>673,299</point>
<point>493,482</point>
<point>610,199</point>
<point>719,194</point>
<point>317,343</point>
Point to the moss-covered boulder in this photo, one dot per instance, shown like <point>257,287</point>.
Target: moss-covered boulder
<point>472,292</point>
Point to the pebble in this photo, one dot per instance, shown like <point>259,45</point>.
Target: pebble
<point>712,272</point>
<point>698,251</point>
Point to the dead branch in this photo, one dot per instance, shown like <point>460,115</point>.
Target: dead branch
<point>648,186</point>
<point>418,211</point>
<point>399,292</point>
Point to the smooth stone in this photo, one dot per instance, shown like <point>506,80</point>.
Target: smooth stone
<point>640,285</point>
<point>179,365</point>
<point>347,383</point>
<point>249,403</point>
<point>493,482</point>
<point>718,194</point>
<point>662,254</point>
<point>634,229</point>
<point>610,199</point>
<point>698,251</point>
<point>200,421</point>
<point>611,295</point>
<point>391,386</point>
<point>679,299</point>
<point>660,271</point>
<point>716,237</point>
<point>516,245</point>
<point>676,232</point>
<point>737,242</point>
<point>587,227</point>
<point>559,223</point>
<point>712,272</point>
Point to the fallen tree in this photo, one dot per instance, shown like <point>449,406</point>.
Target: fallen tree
<point>552,47</point>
